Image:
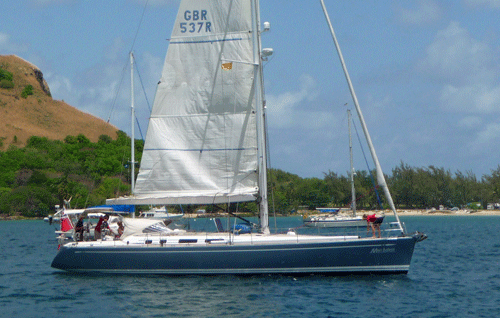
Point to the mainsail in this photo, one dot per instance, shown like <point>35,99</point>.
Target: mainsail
<point>201,143</point>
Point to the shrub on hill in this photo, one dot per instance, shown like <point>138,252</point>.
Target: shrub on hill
<point>105,139</point>
<point>28,90</point>
<point>6,79</point>
<point>6,83</point>
<point>6,75</point>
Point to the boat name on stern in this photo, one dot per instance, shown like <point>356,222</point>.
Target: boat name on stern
<point>377,250</point>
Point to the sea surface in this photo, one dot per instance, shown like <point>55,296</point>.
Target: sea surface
<point>454,273</point>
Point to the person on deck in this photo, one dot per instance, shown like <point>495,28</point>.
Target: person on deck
<point>102,223</point>
<point>374,222</point>
<point>79,228</point>
<point>121,228</point>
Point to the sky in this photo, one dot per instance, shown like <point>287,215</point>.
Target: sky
<point>426,74</point>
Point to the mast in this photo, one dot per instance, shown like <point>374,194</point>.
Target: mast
<point>353,191</point>
<point>132,141</point>
<point>380,175</point>
<point>259,105</point>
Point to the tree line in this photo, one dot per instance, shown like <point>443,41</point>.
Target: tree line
<point>411,188</point>
<point>45,173</point>
<point>36,177</point>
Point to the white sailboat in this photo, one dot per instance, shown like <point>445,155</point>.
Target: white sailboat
<point>333,218</point>
<point>206,145</point>
<point>160,213</point>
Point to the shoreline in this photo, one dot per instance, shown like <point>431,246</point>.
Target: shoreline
<point>430,212</point>
<point>447,212</point>
<point>418,212</point>
<point>402,212</point>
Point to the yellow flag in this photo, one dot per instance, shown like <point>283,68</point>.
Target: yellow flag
<point>227,66</point>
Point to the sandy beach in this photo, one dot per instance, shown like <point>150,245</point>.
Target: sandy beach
<point>412,212</point>
<point>445,212</point>
<point>407,212</point>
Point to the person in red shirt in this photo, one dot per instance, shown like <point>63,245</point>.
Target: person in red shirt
<point>103,221</point>
<point>374,222</point>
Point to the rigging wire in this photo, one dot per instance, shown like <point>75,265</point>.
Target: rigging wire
<point>269,167</point>
<point>139,126</point>
<point>126,65</point>
<point>145,96</point>
<point>139,26</point>
<point>368,166</point>
<point>135,64</point>
<point>117,90</point>
<point>122,78</point>
<point>142,85</point>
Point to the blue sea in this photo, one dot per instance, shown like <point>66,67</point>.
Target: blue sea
<point>454,273</point>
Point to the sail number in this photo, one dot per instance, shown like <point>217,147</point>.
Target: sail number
<point>196,22</point>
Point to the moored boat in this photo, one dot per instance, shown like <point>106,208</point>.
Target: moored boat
<point>205,145</point>
<point>160,214</point>
<point>334,221</point>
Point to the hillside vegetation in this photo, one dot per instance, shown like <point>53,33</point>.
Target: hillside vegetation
<point>46,172</point>
<point>35,178</point>
<point>27,108</point>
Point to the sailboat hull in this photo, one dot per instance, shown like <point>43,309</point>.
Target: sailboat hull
<point>334,222</point>
<point>358,256</point>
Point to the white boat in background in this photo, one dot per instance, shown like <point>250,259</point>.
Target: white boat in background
<point>172,220</point>
<point>333,218</point>
<point>206,144</point>
<point>160,213</point>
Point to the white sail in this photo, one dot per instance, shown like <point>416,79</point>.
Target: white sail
<point>201,142</point>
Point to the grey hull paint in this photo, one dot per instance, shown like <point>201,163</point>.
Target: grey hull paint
<point>381,256</point>
<point>343,223</point>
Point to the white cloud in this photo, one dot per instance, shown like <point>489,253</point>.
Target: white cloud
<point>50,2</point>
<point>487,139</point>
<point>286,110</point>
<point>152,66</point>
<point>475,98</point>
<point>153,3</point>
<point>375,109</point>
<point>104,88</point>
<point>470,122</point>
<point>455,56</point>
<point>480,3</point>
<point>8,47</point>
<point>157,3</point>
<point>467,69</point>
<point>4,38</point>
<point>298,124</point>
<point>58,84</point>
<point>425,12</point>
